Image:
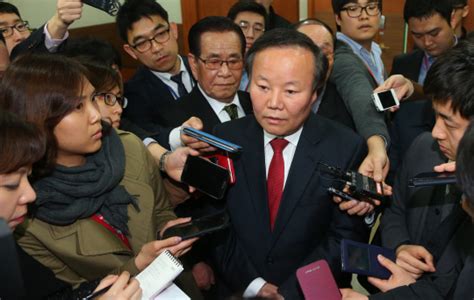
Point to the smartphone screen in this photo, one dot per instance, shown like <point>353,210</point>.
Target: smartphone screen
<point>198,227</point>
<point>386,99</point>
<point>205,176</point>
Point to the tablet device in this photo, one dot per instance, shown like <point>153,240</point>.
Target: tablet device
<point>432,178</point>
<point>212,140</point>
<point>361,259</point>
<point>317,282</point>
<point>206,176</point>
<point>198,227</point>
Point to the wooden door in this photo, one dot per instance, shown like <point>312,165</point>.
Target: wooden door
<point>194,10</point>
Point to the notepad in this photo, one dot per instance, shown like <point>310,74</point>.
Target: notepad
<point>159,275</point>
<point>173,292</point>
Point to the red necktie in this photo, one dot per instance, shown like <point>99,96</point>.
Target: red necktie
<point>276,177</point>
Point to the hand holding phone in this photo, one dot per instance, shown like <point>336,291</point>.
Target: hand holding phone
<point>212,140</point>
<point>362,259</point>
<point>385,100</point>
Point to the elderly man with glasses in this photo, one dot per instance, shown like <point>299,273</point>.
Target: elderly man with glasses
<point>48,38</point>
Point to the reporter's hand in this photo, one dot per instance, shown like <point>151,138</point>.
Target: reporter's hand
<point>446,167</point>
<point>203,275</point>
<point>415,260</point>
<point>174,162</point>
<point>376,164</point>
<point>122,288</point>
<point>69,11</point>
<point>194,143</point>
<point>403,87</point>
<point>269,291</point>
<point>398,278</point>
<point>350,294</point>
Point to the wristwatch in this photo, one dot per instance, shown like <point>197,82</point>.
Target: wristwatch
<point>161,163</point>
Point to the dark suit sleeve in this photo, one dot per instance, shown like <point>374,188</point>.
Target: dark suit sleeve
<point>233,263</point>
<point>343,226</point>
<point>143,117</point>
<point>35,43</point>
<point>394,230</point>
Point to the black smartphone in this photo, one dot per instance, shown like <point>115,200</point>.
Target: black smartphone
<point>198,227</point>
<point>109,6</point>
<point>206,176</point>
<point>432,178</point>
<point>360,258</point>
<point>344,196</point>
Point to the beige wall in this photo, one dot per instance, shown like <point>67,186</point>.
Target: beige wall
<point>39,11</point>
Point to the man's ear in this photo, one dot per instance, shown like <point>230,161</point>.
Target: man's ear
<point>314,97</point>
<point>465,11</point>
<point>338,19</point>
<point>193,63</point>
<point>127,48</point>
<point>174,30</point>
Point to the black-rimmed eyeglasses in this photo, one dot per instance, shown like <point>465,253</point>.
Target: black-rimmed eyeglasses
<point>355,11</point>
<point>110,99</point>
<point>160,37</point>
<point>7,31</point>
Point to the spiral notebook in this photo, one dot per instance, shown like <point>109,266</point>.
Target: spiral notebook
<point>159,275</point>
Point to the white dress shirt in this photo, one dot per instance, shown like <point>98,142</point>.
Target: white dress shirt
<point>173,86</point>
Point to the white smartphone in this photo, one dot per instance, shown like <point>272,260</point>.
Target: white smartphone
<point>385,100</point>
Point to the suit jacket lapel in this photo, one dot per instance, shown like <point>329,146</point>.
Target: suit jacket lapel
<point>254,168</point>
<point>245,101</point>
<point>303,167</point>
<point>202,109</point>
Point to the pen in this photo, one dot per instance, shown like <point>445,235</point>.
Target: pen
<point>98,293</point>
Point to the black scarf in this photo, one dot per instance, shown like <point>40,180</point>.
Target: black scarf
<point>73,193</point>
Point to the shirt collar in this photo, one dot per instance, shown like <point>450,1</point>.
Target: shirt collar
<point>292,138</point>
<point>167,75</point>
<point>216,105</point>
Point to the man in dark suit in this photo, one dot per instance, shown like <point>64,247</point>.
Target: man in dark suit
<point>282,215</point>
<point>152,92</point>
<point>217,48</point>
<point>429,22</point>
<point>426,225</point>
<point>18,37</point>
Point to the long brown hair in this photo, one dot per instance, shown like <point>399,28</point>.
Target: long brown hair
<point>43,89</point>
<point>21,143</point>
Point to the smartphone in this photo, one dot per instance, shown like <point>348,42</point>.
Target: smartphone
<point>198,227</point>
<point>212,140</point>
<point>317,282</point>
<point>206,176</point>
<point>344,196</point>
<point>361,259</point>
<point>385,100</point>
<point>109,6</point>
<point>432,178</point>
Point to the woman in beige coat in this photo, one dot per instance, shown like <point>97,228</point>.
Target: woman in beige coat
<point>100,200</point>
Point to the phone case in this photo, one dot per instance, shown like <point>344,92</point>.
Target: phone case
<point>317,282</point>
<point>195,228</point>
<point>206,176</point>
<point>361,259</point>
<point>212,140</point>
<point>431,179</point>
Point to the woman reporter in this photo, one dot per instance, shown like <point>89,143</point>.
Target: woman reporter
<point>21,145</point>
<point>100,198</point>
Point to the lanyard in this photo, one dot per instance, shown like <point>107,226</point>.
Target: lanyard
<point>100,219</point>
